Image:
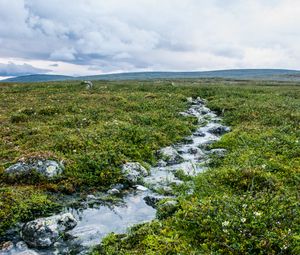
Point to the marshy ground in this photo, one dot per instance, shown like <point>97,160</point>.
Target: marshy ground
<point>248,202</point>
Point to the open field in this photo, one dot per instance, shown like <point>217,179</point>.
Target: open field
<point>248,202</point>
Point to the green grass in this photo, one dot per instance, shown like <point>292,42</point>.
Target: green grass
<point>247,203</point>
<point>93,132</point>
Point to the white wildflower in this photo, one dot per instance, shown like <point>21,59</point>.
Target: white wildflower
<point>225,223</point>
<point>243,220</point>
<point>257,213</point>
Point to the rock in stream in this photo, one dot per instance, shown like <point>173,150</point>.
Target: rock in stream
<point>44,232</point>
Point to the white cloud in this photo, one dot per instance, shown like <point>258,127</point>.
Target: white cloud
<point>109,36</point>
<point>64,54</point>
<point>12,69</point>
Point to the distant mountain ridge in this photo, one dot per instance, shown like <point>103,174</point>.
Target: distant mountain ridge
<point>240,74</point>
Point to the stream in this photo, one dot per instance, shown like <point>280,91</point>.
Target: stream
<point>96,219</point>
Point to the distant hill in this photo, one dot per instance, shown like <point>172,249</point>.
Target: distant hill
<point>239,74</point>
<point>38,78</point>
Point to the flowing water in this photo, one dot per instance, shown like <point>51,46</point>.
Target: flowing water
<point>96,220</point>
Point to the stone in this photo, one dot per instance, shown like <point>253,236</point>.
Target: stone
<point>199,134</point>
<point>193,112</point>
<point>161,163</point>
<point>47,168</point>
<point>170,155</point>
<point>91,197</point>
<point>89,84</point>
<point>198,100</point>
<point>21,246</point>
<point>140,188</point>
<point>219,129</point>
<point>205,110</point>
<point>44,232</point>
<point>113,192</point>
<point>199,154</point>
<point>118,186</point>
<point>194,150</point>
<point>152,201</point>
<point>7,246</point>
<point>218,152</point>
<point>206,144</point>
<point>134,172</point>
<point>189,100</point>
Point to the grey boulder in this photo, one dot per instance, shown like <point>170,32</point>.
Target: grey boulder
<point>170,155</point>
<point>152,201</point>
<point>44,232</point>
<point>198,101</point>
<point>47,168</point>
<point>134,172</point>
<point>219,129</point>
<point>218,152</point>
<point>88,84</point>
<point>113,191</point>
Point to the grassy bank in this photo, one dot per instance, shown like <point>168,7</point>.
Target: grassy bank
<point>246,203</point>
<point>93,132</point>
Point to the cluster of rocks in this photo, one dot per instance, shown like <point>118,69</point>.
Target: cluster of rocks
<point>44,232</point>
<point>40,233</point>
<point>20,248</point>
<point>191,155</point>
<point>47,168</point>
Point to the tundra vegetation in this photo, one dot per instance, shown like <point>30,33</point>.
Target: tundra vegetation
<point>247,202</point>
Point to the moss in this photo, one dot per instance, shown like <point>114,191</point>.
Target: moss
<point>22,204</point>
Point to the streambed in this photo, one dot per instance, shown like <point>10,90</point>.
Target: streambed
<point>95,219</point>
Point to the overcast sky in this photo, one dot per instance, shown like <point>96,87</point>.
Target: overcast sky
<point>103,36</point>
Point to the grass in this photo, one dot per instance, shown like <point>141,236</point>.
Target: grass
<point>247,203</point>
<point>93,132</point>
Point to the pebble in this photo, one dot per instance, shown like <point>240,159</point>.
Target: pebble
<point>141,188</point>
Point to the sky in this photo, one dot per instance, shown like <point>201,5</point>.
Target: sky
<point>86,37</point>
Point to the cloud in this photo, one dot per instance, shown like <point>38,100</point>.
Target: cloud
<point>12,69</point>
<point>64,54</point>
<point>131,35</point>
